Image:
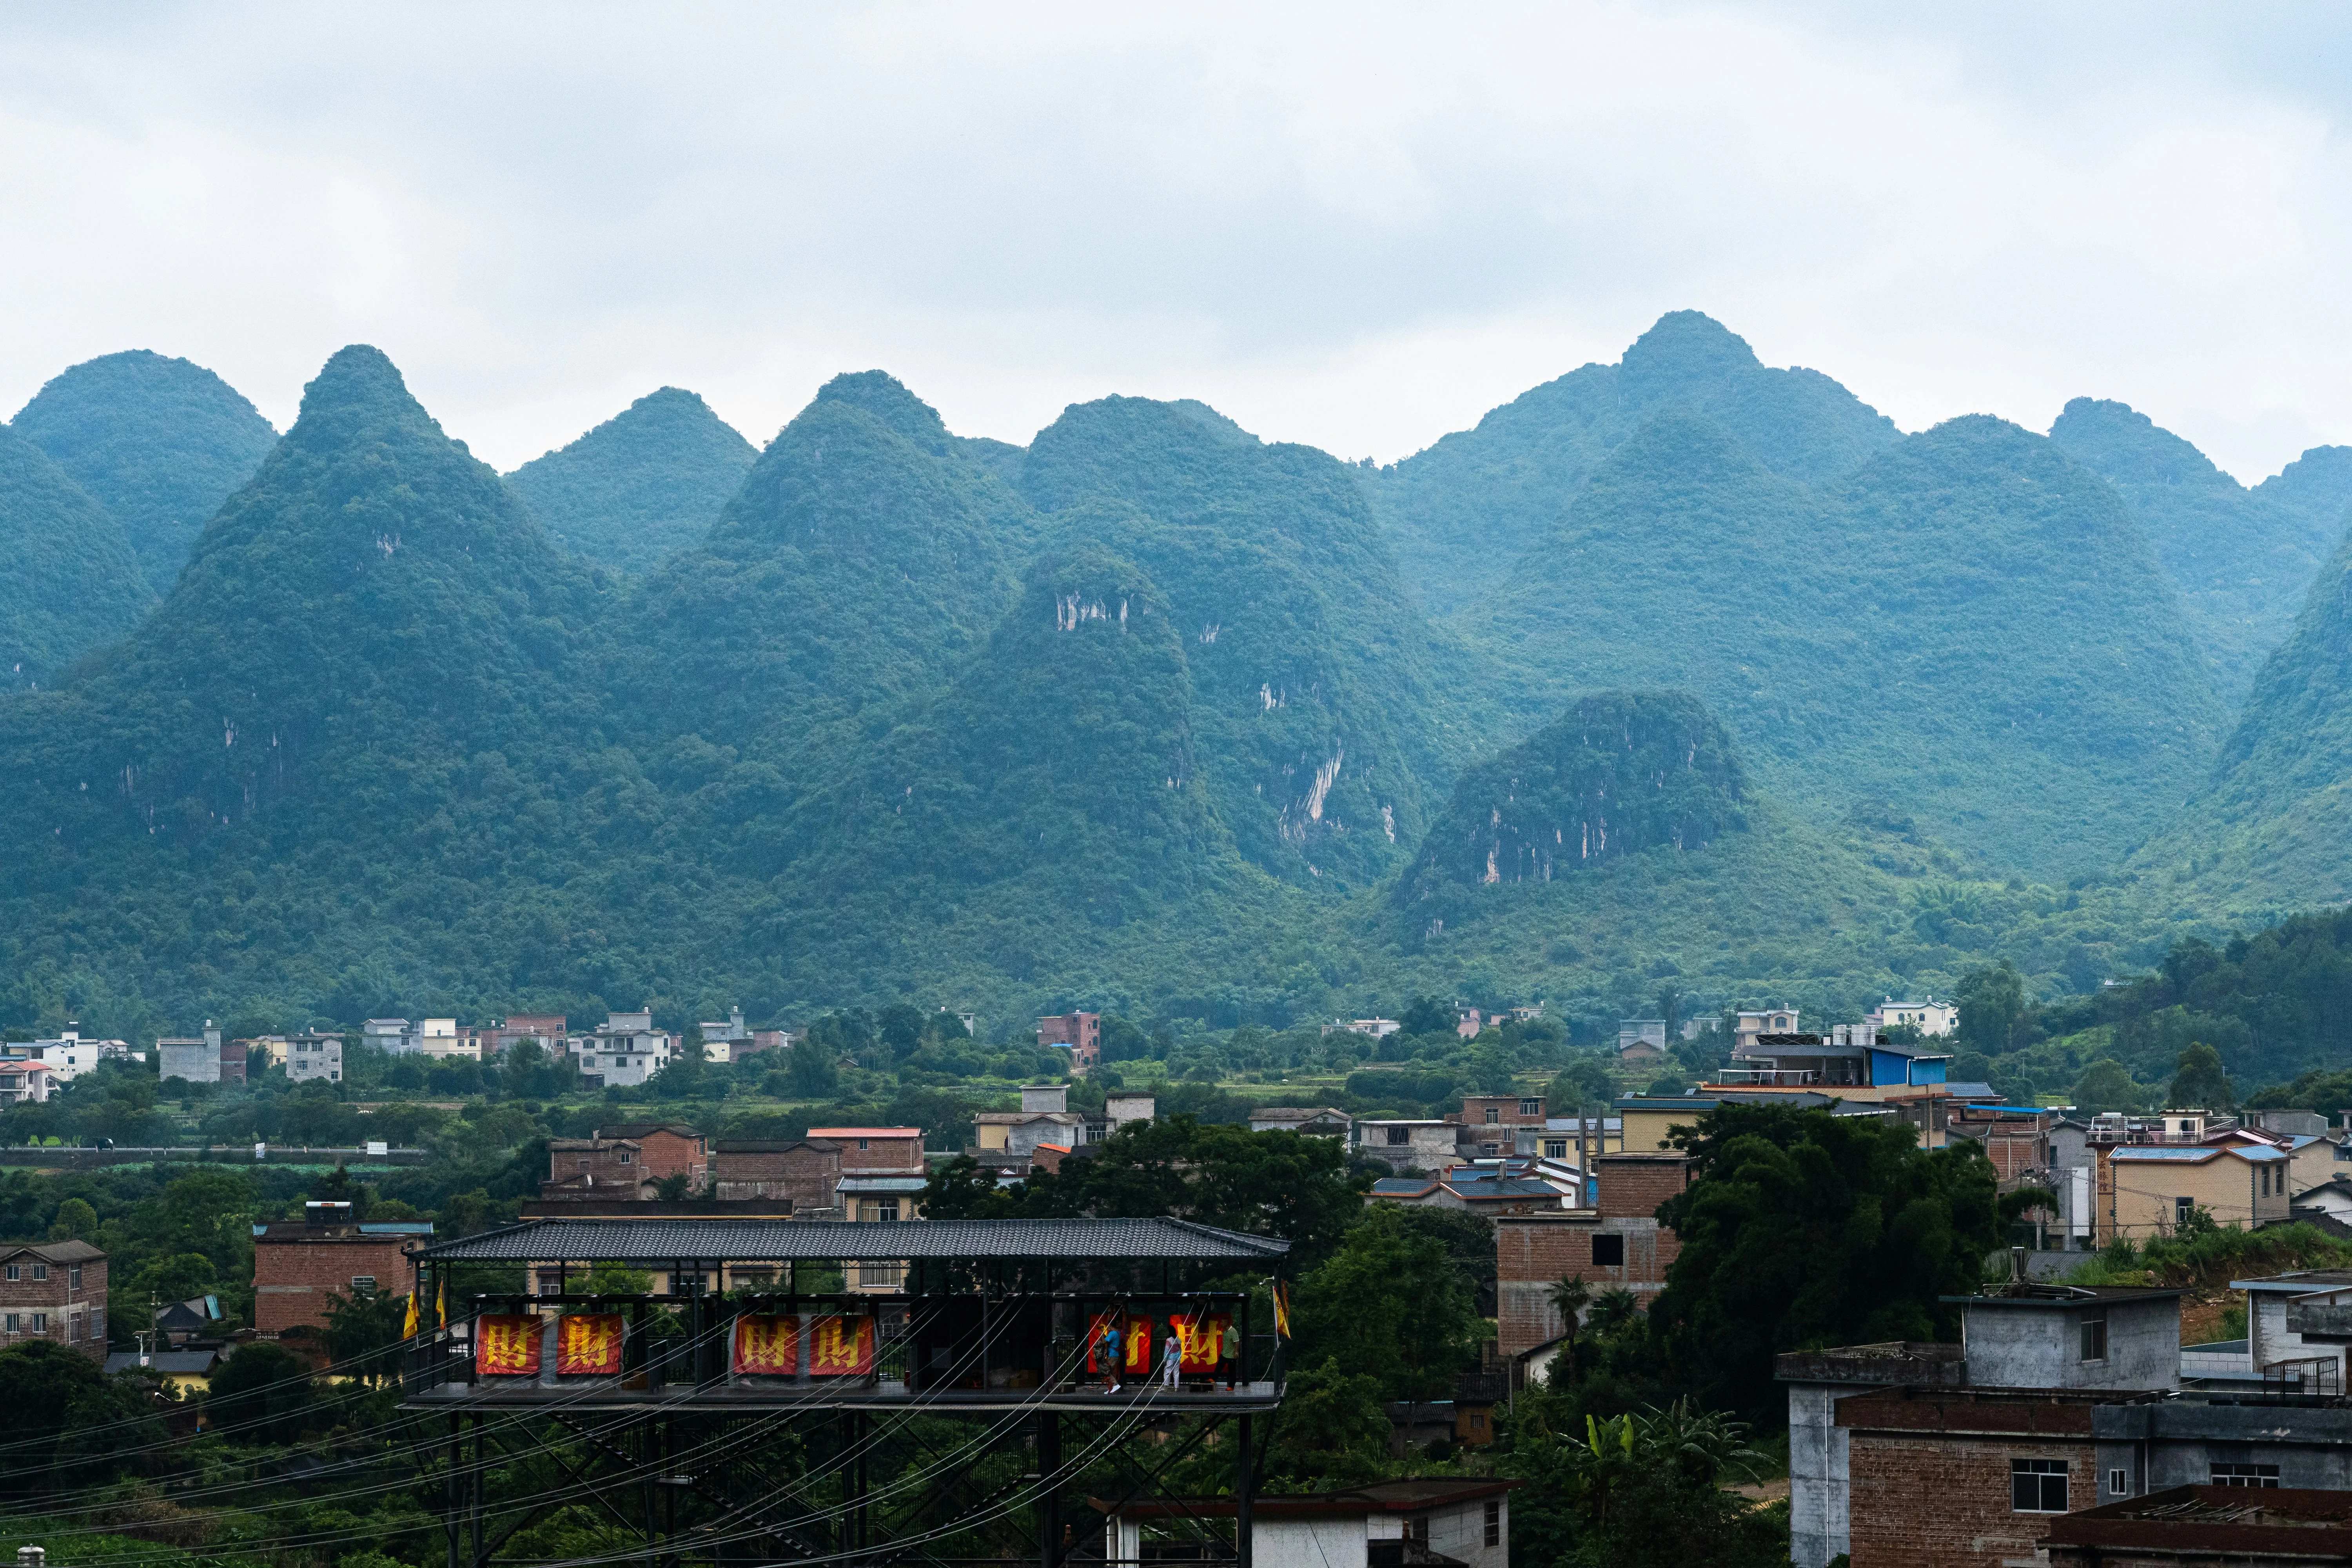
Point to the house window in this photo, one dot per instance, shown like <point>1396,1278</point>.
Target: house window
<point>1608,1250</point>
<point>40,1322</point>
<point>2037,1486</point>
<point>2245,1475</point>
<point>1493,1524</point>
<point>1417,1530</point>
<point>40,1271</point>
<point>13,1324</point>
<point>1493,1114</point>
<point>2118,1482</point>
<point>73,1336</point>
<point>73,1275</point>
<point>1490,1149</point>
<point>861,1142</point>
<point>1555,1148</point>
<point>1396,1135</point>
<point>363,1284</point>
<point>1530,1107</point>
<point>1478,1422</point>
<point>2095,1335</point>
<point>15,1272</point>
<point>624,1157</point>
<point>2181,1209</point>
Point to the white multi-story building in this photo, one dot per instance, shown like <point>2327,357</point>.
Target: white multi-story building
<point>23,1079</point>
<point>1930,1017</point>
<point>69,1055</point>
<point>626,1051</point>
<point>391,1036</point>
<point>442,1037</point>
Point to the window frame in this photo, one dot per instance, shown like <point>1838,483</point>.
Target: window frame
<point>2239,1474</point>
<point>2119,1483</point>
<point>2092,1332</point>
<point>2041,1474</point>
<point>1615,1241</point>
<point>1494,1523</point>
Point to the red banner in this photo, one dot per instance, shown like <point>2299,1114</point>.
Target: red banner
<point>505,1347</point>
<point>588,1344</point>
<point>841,1347</point>
<point>1203,1342</point>
<point>768,1346</point>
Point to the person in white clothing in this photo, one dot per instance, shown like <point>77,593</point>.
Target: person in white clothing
<point>1171,1360</point>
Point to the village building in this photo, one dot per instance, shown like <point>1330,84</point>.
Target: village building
<point>1080,1033</point>
<point>1387,1524</point>
<point>804,1171</point>
<point>54,1290</point>
<point>297,1265</point>
<point>1616,1243</point>
<point>1322,1119</point>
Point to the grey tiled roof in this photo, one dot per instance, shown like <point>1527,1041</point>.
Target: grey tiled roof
<point>657,1240</point>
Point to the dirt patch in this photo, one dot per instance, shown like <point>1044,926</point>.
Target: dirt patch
<point>2201,1315</point>
<point>1764,1491</point>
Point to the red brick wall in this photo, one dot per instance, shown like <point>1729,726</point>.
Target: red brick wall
<point>668,1154</point>
<point>619,1168</point>
<point>1920,1500</point>
<point>1634,1186</point>
<point>292,1276</point>
<point>58,1297</point>
<point>1475,1107</point>
<point>804,1173</point>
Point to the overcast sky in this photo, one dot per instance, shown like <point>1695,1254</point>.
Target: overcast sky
<point>1345,225</point>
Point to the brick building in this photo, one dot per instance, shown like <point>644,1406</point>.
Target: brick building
<point>877,1151</point>
<point>2208,1526</point>
<point>1500,1125</point>
<point>670,1149</point>
<point>604,1170</point>
<point>1967,1478</point>
<point>1080,1032</point>
<point>55,1291</point>
<point>1617,1244</point>
<point>803,1172</point>
<point>298,1264</point>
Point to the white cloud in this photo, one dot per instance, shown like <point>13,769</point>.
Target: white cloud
<point>1350,226</point>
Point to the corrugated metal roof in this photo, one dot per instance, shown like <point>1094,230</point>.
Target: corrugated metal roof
<point>657,1240</point>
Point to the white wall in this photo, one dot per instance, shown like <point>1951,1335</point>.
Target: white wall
<point>1307,1542</point>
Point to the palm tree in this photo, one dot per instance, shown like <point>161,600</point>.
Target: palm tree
<point>1570,1296</point>
<point>1612,1311</point>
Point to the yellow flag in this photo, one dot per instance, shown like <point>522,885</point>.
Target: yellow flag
<point>1281,1310</point>
<point>441,1308</point>
<point>408,1328</point>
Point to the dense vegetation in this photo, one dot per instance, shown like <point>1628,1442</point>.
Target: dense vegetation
<point>67,580</point>
<point>643,485</point>
<point>158,442</point>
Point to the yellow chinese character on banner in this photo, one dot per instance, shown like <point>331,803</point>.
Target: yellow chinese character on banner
<point>768,1346</point>
<point>841,1347</point>
<point>505,1347</point>
<point>588,1344</point>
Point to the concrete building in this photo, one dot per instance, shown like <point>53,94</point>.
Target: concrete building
<point>2149,1190</point>
<point>1641,1039</point>
<point>1044,1119</point>
<point>1386,1525</point>
<point>193,1060</point>
<point>1471,1190</point>
<point>442,1038</point>
<point>1748,1025</point>
<point>544,1029</point>
<point>390,1036</point>
<point>625,1052</point>
<point>1820,1469</point>
<point>54,1290</point>
<point>23,1081</point>
<point>1325,1120</point>
<point>1411,1144</point>
<point>1617,1244</point>
<point>297,1265</point>
<point>1377,1029</point>
<point>2066,1336</point>
<point>311,1056</point>
<point>597,1170</point>
<point>2207,1439</point>
<point>1119,1109</point>
<point>1500,1125</point>
<point>1932,1018</point>
<point>70,1055</point>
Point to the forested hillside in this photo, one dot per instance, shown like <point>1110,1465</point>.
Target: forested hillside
<point>1968,625</point>
<point>2242,559</point>
<point>641,485</point>
<point>1736,691</point>
<point>158,442</point>
<point>1463,512</point>
<point>67,579</point>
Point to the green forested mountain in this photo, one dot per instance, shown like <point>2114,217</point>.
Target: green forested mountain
<point>67,579</point>
<point>1463,512</point>
<point>1968,625</point>
<point>642,485</point>
<point>866,555</point>
<point>1320,731</point>
<point>2243,560</point>
<point>158,442</point>
<point>2272,831</point>
<point>356,737</point>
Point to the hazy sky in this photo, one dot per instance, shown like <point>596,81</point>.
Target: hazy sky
<point>1356,228</point>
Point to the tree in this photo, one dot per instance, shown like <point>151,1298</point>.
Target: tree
<point>2105,1086</point>
<point>1390,1301</point>
<point>1804,1228</point>
<point>1569,1295</point>
<point>1992,1001</point>
<point>1425,1015</point>
<point>1584,1081</point>
<point>76,1218</point>
<point>1332,1430</point>
<point>262,1394</point>
<point>68,1423</point>
<point>363,1331</point>
<point>813,1073</point>
<point>2198,1081</point>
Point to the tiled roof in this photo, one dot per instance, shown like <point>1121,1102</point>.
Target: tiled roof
<point>865,1132</point>
<point>658,1240</point>
<point>2195,1154</point>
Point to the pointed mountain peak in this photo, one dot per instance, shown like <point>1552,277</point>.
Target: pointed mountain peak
<point>887,398</point>
<point>359,387</point>
<point>1685,348</point>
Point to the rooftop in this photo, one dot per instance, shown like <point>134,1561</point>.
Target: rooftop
<point>2194,1154</point>
<point>1381,1496</point>
<point>2269,1523</point>
<point>666,1240</point>
<point>865,1132</point>
<point>2067,1295</point>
